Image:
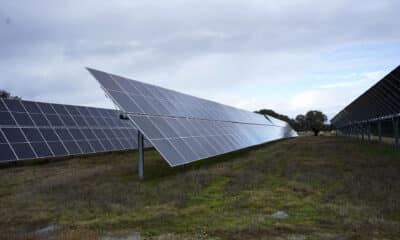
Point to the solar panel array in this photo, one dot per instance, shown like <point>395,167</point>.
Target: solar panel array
<point>184,128</point>
<point>380,102</point>
<point>31,130</point>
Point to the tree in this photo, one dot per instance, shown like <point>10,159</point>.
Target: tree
<point>5,94</point>
<point>315,121</point>
<point>301,122</point>
<point>276,115</point>
<point>311,121</point>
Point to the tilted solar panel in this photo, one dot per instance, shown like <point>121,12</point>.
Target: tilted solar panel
<point>31,130</point>
<point>184,128</point>
<point>380,102</point>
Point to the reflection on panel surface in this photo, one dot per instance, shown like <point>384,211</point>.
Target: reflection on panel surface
<point>30,130</point>
<point>184,128</point>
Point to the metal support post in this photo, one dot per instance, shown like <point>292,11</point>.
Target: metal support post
<point>369,131</point>
<point>396,132</point>
<point>362,131</point>
<point>355,132</point>
<point>141,154</point>
<point>380,130</point>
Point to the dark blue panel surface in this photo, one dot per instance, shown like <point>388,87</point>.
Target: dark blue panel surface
<point>169,152</point>
<point>80,121</point>
<point>72,147</point>
<point>6,119</point>
<point>2,138</point>
<point>46,108</point>
<point>68,121</point>
<point>31,107</point>
<point>84,145</point>
<point>14,105</point>
<point>126,102</point>
<point>107,145</point>
<point>14,135</point>
<point>41,149</point>
<point>117,144</point>
<point>106,80</point>
<point>49,134</point>
<point>2,106</point>
<point>99,133</point>
<point>77,134</point>
<point>64,134</point>
<point>96,146</point>
<point>33,135</point>
<point>58,148</point>
<point>89,134</point>
<point>60,109</point>
<point>23,151</point>
<point>54,120</point>
<point>6,153</point>
<point>23,119</point>
<point>40,120</point>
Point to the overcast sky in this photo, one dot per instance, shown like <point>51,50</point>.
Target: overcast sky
<point>290,56</point>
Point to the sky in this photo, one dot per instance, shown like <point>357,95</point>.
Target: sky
<point>289,56</point>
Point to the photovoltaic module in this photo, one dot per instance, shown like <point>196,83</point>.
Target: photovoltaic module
<point>185,128</point>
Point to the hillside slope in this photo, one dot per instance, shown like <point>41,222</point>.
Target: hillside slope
<point>331,188</point>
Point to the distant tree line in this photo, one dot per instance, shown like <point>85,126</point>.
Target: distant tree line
<point>314,121</point>
<point>5,94</point>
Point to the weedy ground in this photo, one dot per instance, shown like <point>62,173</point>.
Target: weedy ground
<point>331,188</point>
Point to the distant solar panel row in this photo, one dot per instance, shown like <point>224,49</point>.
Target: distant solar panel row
<point>380,102</point>
<point>30,130</point>
<point>184,128</point>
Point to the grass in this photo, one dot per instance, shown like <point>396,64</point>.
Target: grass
<point>331,187</point>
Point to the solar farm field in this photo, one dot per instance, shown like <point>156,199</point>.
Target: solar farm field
<point>302,188</point>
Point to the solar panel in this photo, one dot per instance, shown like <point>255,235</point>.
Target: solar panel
<point>380,102</point>
<point>184,128</point>
<point>375,112</point>
<point>31,130</point>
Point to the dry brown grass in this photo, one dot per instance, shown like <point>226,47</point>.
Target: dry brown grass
<point>332,188</point>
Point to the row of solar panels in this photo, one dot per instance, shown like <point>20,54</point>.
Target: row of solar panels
<point>141,98</point>
<point>382,101</point>
<point>183,140</point>
<point>184,128</point>
<point>30,130</point>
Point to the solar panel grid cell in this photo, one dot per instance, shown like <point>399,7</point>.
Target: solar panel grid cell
<point>7,154</point>
<point>14,106</point>
<point>6,119</point>
<point>2,106</point>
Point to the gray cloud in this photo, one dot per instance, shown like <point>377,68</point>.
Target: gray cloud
<point>207,48</point>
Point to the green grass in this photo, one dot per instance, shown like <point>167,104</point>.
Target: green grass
<point>332,188</point>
